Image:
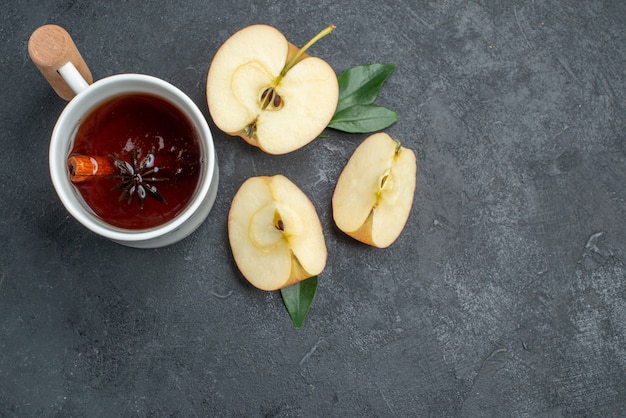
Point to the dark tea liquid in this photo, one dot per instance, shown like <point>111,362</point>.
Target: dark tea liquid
<point>140,124</point>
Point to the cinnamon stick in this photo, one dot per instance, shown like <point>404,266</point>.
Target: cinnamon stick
<point>84,167</point>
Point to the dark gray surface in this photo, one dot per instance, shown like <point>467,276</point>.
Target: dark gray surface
<point>504,296</point>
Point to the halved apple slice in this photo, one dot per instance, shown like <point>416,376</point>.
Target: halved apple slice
<point>374,194</point>
<point>269,92</point>
<point>275,234</point>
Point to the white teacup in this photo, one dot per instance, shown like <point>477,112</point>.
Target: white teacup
<point>87,98</point>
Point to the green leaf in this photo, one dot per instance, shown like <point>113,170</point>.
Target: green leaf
<point>361,84</point>
<point>298,299</point>
<point>363,119</point>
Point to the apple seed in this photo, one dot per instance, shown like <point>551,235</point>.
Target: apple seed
<point>270,97</point>
<point>278,222</point>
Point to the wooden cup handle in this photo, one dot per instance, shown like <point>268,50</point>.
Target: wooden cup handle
<point>50,47</point>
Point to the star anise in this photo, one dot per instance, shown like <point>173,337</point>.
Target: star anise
<point>136,178</point>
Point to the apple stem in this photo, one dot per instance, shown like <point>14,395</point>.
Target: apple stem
<point>398,147</point>
<point>302,50</point>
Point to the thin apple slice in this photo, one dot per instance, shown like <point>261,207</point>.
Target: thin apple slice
<point>275,234</point>
<point>374,194</point>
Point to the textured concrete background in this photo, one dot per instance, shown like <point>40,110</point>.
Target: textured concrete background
<point>504,297</point>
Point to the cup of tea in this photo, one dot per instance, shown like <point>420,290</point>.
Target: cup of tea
<point>131,156</point>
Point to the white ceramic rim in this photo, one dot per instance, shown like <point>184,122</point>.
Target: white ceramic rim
<point>62,141</point>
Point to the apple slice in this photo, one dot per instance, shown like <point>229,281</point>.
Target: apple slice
<point>275,233</point>
<point>269,92</point>
<point>374,194</point>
